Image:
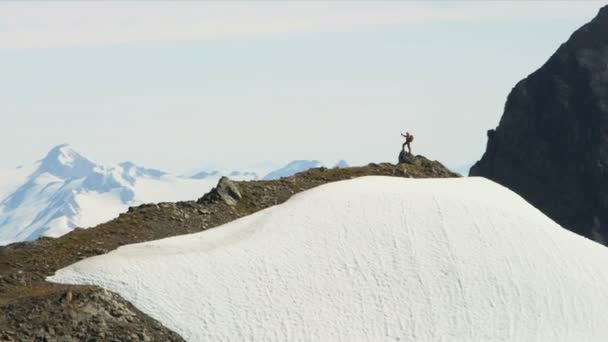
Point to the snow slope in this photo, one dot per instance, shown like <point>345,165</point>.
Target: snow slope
<point>66,190</point>
<point>375,258</point>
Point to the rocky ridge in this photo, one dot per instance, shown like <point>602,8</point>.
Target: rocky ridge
<point>33,309</point>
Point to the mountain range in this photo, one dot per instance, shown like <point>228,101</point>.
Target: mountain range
<point>65,190</point>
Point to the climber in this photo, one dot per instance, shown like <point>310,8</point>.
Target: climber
<point>408,139</point>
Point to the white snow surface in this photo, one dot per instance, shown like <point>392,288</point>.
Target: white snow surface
<point>375,258</point>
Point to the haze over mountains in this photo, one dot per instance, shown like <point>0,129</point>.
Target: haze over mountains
<point>66,190</point>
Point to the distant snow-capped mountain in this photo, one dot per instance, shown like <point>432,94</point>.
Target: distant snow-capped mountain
<point>235,175</point>
<point>66,190</point>
<point>205,174</point>
<point>293,168</point>
<point>341,164</point>
<point>290,169</point>
<point>299,166</point>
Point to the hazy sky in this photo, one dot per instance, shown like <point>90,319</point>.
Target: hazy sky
<point>185,85</point>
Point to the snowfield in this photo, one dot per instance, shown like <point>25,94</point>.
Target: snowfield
<point>375,258</point>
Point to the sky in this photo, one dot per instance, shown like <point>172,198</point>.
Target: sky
<point>183,86</point>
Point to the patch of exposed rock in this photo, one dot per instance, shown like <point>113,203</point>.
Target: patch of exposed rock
<point>79,314</point>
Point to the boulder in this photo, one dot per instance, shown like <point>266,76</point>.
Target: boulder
<point>226,191</point>
<point>407,158</point>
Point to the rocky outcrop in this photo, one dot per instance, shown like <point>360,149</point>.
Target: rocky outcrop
<point>551,145</point>
<point>80,314</point>
<point>226,191</point>
<point>406,158</point>
<point>32,309</point>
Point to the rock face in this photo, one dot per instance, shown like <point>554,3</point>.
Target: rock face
<point>551,145</point>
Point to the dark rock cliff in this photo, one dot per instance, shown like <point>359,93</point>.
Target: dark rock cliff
<point>551,145</point>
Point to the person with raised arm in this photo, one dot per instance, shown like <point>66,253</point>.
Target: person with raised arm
<point>408,140</point>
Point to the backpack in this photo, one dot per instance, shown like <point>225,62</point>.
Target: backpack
<point>410,138</point>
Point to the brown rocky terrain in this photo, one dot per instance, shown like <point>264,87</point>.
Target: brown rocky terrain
<point>35,310</point>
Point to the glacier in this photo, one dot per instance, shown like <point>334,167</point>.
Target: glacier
<point>373,258</point>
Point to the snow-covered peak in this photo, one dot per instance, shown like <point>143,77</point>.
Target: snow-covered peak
<point>293,168</point>
<point>65,190</point>
<point>66,163</point>
<point>132,171</point>
<point>341,164</point>
<point>217,174</point>
<point>205,174</point>
<point>297,166</point>
<point>243,175</point>
<point>370,259</point>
